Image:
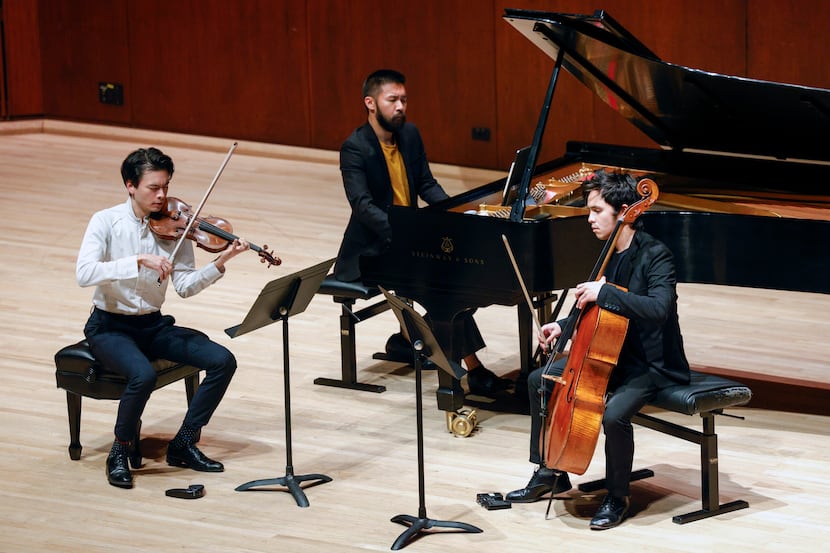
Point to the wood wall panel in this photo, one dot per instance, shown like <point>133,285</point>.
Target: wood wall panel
<point>85,42</point>
<point>3,109</point>
<point>233,69</point>
<point>24,79</point>
<point>787,41</point>
<point>523,74</point>
<point>444,47</point>
<point>704,35</point>
<point>290,71</point>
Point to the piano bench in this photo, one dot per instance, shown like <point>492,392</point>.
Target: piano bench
<point>706,395</point>
<point>347,294</point>
<point>81,375</point>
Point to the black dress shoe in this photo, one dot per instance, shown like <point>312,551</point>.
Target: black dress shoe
<point>191,457</point>
<point>543,481</point>
<point>483,382</point>
<point>611,513</point>
<point>398,348</point>
<point>134,454</point>
<point>118,472</point>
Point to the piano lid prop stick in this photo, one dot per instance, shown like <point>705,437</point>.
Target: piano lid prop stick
<point>557,379</point>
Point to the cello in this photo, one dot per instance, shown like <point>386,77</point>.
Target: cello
<point>577,401</point>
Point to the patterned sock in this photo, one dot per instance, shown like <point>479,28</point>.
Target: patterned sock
<point>185,437</point>
<point>119,447</point>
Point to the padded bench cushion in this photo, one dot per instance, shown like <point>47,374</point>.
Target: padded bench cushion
<point>705,392</point>
<point>338,288</point>
<point>79,372</point>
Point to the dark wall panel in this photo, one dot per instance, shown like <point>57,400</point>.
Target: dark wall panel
<point>290,71</point>
<point>3,109</point>
<point>85,42</point>
<point>24,79</point>
<point>234,69</point>
<point>444,47</point>
<point>704,35</point>
<point>787,41</point>
<point>523,74</point>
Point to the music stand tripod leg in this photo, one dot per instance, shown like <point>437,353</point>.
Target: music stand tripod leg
<point>421,522</point>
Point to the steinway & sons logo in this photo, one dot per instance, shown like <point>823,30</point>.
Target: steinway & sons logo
<point>446,245</point>
<point>445,253</point>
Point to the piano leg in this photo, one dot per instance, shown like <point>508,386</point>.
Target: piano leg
<point>450,394</point>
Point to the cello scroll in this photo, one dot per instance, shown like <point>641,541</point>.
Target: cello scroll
<point>649,192</point>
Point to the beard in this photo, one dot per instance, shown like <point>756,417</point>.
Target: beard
<point>392,125</point>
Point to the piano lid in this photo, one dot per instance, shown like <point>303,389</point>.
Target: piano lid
<point>678,107</point>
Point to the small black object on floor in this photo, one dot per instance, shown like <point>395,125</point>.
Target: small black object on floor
<point>194,491</point>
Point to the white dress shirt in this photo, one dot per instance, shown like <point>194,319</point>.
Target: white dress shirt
<point>108,260</point>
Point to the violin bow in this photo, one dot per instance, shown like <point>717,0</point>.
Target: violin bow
<point>195,216</point>
<point>183,237</point>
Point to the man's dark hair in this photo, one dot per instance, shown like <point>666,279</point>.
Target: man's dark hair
<point>374,82</point>
<point>142,161</point>
<point>615,188</point>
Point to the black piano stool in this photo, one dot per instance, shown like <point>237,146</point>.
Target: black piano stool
<point>347,294</point>
<point>706,395</point>
<point>81,375</point>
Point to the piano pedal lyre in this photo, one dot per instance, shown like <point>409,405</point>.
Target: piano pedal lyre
<point>462,423</point>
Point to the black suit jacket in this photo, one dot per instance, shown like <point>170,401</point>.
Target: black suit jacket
<point>653,342</point>
<point>369,191</point>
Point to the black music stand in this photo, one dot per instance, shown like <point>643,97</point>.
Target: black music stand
<point>425,346</point>
<point>279,300</point>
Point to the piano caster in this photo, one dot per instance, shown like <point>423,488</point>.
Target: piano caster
<point>462,423</point>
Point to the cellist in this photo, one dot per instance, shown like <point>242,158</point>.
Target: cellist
<point>652,355</point>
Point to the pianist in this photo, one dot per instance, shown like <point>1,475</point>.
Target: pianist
<point>384,163</point>
<point>652,355</point>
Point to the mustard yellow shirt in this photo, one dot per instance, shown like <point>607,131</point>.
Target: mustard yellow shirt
<point>397,173</point>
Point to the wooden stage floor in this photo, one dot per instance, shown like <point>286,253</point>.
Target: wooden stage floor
<point>54,175</point>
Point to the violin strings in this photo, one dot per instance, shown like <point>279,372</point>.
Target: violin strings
<point>223,234</point>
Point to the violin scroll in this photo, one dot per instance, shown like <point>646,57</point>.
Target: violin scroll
<point>265,256</point>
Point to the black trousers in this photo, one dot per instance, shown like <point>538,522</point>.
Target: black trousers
<point>465,335</point>
<point>126,344</point>
<point>627,399</point>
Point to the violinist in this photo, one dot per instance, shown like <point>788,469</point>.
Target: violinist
<point>130,268</point>
<point>652,355</point>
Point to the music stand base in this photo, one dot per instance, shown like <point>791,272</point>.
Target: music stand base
<point>289,481</point>
<point>360,386</point>
<point>418,524</point>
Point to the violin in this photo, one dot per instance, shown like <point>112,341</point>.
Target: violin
<point>210,233</point>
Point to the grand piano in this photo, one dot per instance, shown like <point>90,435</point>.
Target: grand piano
<point>742,165</point>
